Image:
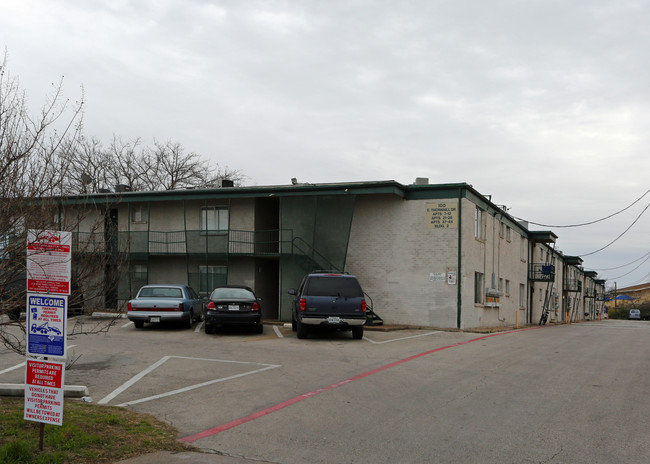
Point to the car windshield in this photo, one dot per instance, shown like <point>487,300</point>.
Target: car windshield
<point>161,292</point>
<point>235,293</point>
<point>334,286</point>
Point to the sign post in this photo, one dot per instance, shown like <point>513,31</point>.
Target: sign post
<point>49,266</point>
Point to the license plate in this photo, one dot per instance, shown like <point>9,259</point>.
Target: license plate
<point>233,307</point>
<point>154,319</point>
<point>334,320</point>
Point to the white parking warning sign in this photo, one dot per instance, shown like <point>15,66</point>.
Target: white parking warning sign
<point>46,321</point>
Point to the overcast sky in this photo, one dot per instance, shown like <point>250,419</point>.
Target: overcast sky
<point>542,104</point>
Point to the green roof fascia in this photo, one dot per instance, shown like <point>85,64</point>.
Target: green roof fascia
<point>573,260</point>
<point>591,274</point>
<point>542,236</point>
<point>355,188</point>
<point>436,191</point>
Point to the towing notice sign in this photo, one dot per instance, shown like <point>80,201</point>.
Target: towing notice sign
<point>49,261</point>
<point>46,325</point>
<point>44,391</point>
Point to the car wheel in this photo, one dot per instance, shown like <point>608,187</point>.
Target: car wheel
<point>190,320</point>
<point>138,324</point>
<point>301,330</point>
<point>293,324</point>
<point>357,332</point>
<point>259,328</point>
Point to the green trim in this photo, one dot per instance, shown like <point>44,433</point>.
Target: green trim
<point>460,249</point>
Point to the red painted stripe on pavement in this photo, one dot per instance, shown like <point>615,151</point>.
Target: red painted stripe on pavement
<point>304,396</point>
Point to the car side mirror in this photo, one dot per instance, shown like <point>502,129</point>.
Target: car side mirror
<point>292,291</point>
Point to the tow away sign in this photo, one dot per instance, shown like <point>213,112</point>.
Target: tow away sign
<point>46,321</point>
<point>49,261</point>
<point>44,391</point>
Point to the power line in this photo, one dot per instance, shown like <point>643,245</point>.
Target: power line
<point>586,223</point>
<point>623,233</point>
<point>631,271</point>
<point>618,267</point>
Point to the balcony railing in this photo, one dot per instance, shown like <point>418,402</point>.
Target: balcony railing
<point>572,285</point>
<point>541,272</point>
<point>243,242</point>
<point>590,293</point>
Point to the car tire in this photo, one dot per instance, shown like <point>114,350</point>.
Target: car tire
<point>357,332</point>
<point>190,321</point>
<point>293,324</point>
<point>138,324</point>
<point>259,328</point>
<point>301,330</point>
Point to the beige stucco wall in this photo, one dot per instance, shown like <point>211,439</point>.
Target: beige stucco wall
<point>394,254</point>
<point>497,255</point>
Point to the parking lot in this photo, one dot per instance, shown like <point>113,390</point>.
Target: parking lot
<point>396,396</point>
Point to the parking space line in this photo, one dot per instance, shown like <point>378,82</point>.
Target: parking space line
<point>198,327</point>
<point>22,364</point>
<point>402,338</point>
<point>126,385</point>
<point>277,331</point>
<point>294,400</point>
<point>126,325</point>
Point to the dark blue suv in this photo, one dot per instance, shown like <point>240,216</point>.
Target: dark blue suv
<point>330,300</point>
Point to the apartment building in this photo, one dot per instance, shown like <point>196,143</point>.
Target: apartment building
<point>438,255</point>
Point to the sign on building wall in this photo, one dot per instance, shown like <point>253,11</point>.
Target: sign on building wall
<point>49,261</point>
<point>442,215</point>
<point>44,391</point>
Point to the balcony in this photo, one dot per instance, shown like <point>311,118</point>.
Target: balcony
<point>590,293</point>
<point>541,272</point>
<point>140,244</point>
<point>573,285</point>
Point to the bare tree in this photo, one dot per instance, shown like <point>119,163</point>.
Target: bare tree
<point>165,166</point>
<point>32,178</point>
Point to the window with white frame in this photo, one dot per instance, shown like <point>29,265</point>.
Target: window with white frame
<point>522,295</point>
<point>500,285</point>
<point>479,284</point>
<point>508,233</point>
<point>479,224</point>
<point>214,219</point>
<point>522,248</point>
<point>507,287</point>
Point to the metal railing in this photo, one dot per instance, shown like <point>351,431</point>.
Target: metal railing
<point>541,272</point>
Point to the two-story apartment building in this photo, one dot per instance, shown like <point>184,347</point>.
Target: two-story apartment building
<point>426,255</point>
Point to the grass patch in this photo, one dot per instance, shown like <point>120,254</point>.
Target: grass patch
<point>89,434</point>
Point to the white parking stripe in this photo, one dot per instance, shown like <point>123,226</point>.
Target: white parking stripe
<point>277,331</point>
<point>22,364</point>
<point>198,385</point>
<point>403,338</point>
<point>164,359</point>
<point>198,327</point>
<point>127,324</point>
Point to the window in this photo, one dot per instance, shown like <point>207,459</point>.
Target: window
<point>139,214</point>
<point>479,224</point>
<point>522,248</point>
<point>522,295</point>
<point>211,277</point>
<point>507,287</point>
<point>140,271</point>
<point>500,286</point>
<point>502,228</point>
<point>508,233</point>
<point>478,287</point>
<point>214,219</point>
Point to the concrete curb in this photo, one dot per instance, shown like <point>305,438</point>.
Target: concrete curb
<point>101,315</point>
<point>18,389</point>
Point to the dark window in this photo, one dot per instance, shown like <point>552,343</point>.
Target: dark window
<point>333,286</point>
